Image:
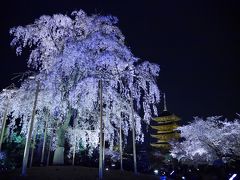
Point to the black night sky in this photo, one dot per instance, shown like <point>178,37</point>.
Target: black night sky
<point>196,43</point>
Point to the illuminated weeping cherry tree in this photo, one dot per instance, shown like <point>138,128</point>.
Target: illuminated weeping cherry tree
<point>72,54</point>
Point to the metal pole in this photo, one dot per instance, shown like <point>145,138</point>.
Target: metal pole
<point>33,147</point>
<point>121,151</point>
<point>44,141</point>
<point>100,170</point>
<point>4,124</point>
<point>74,148</point>
<point>27,145</point>
<point>133,136</point>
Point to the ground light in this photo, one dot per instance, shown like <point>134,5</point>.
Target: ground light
<point>163,177</point>
<point>155,171</point>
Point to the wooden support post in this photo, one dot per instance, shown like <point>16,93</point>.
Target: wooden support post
<point>49,149</point>
<point>44,141</point>
<point>133,137</point>
<point>33,147</point>
<point>100,170</point>
<point>120,146</point>
<point>28,140</point>
<point>4,124</point>
<point>74,148</point>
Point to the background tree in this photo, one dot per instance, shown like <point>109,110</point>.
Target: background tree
<point>208,140</point>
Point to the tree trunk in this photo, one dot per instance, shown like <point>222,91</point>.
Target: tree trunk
<point>58,158</point>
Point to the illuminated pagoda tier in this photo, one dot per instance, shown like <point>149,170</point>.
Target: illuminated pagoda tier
<point>163,129</point>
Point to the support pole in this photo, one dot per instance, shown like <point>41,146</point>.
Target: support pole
<point>44,141</point>
<point>4,124</point>
<point>120,146</point>
<point>28,140</point>
<point>133,137</point>
<point>103,151</point>
<point>33,147</point>
<point>100,170</point>
<point>49,149</point>
<point>104,143</point>
<point>74,148</point>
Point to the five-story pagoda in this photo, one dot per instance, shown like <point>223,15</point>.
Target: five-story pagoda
<point>164,129</point>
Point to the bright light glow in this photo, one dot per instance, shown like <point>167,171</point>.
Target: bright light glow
<point>113,165</point>
<point>183,177</point>
<point>31,77</point>
<point>106,169</point>
<point>171,172</point>
<point>233,176</point>
<point>155,171</point>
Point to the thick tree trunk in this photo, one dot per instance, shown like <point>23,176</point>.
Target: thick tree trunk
<point>58,158</point>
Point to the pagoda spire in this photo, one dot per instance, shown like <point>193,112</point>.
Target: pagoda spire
<point>165,104</point>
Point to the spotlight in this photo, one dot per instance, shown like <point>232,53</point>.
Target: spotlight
<point>106,169</point>
<point>155,172</point>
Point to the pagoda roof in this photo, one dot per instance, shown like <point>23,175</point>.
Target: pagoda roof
<point>165,137</point>
<point>159,145</point>
<point>166,117</point>
<point>160,130</point>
